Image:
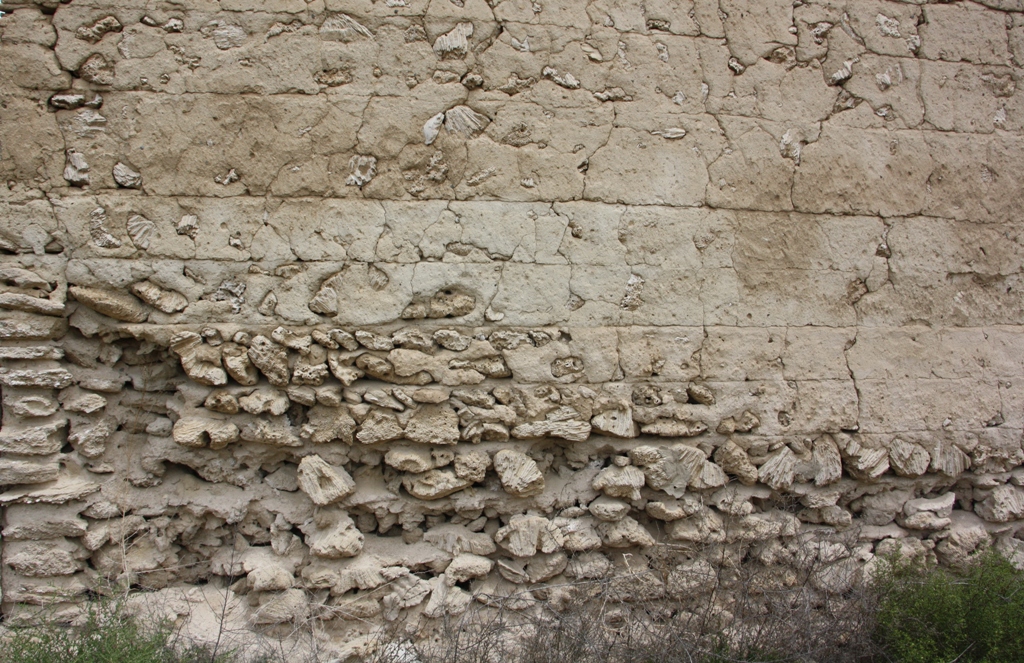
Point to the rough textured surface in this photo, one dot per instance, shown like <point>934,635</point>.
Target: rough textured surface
<point>396,306</point>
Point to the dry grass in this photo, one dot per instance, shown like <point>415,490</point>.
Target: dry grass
<point>750,612</point>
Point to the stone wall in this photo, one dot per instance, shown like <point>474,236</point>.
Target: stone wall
<point>377,309</point>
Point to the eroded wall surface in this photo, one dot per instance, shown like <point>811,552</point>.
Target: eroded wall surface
<point>382,308</point>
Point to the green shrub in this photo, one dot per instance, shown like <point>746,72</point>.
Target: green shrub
<point>110,634</point>
<point>932,615</point>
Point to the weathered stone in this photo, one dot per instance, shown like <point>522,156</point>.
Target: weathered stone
<point>673,428</point>
<point>671,470</point>
<point>472,465</point>
<point>779,470</point>
<point>281,607</point>
<point>197,433</point>
<point>433,424</point>
<point>271,360</point>
<point>526,535</point>
<point>36,441</point>
<point>41,559</point>
<point>323,483</point>
<point>379,426</point>
<point>325,424</point>
<point>434,484</point>
<point>91,440</point>
<point>13,472</point>
<point>735,461</point>
<point>518,473</point>
<point>235,359</point>
<point>574,431</point>
<point>1004,504</point>
<point>117,305</point>
<point>44,378</point>
<point>201,362</point>
<point>167,301</point>
<point>20,302</point>
<point>908,459</point>
<point>275,431</point>
<point>618,423</point>
<point>31,352</point>
<point>624,482</point>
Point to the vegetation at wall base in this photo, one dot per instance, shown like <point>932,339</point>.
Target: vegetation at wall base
<point>110,633</point>
<point>932,615</point>
<point>907,612</point>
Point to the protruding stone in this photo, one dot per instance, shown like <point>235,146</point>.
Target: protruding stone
<point>705,526</point>
<point>323,483</point>
<point>526,535</point>
<point>126,177</point>
<point>1004,504</point>
<point>236,361</point>
<point>35,441</point>
<point>609,508</point>
<point>671,470</point>
<point>674,428</point>
<point>326,424</point>
<point>335,536</point>
<point>624,533</point>
<point>76,168</point>
<point>14,472</point>
<point>275,431</point>
<point>519,473</point>
<point>113,304</point>
<point>735,461</point>
<point>16,301</point>
<point>45,378</point>
<point>624,482</point>
<point>779,470</point>
<point>472,465</point>
<point>265,401</point>
<point>379,426</point>
<point>829,460</point>
<point>450,339</point>
<point>618,423</point>
<point>197,433</point>
<point>167,301</point>
<point>908,459</point>
<point>372,341</point>
<point>201,362</point>
<point>433,424</point>
<point>572,430</point>
<point>949,459</point>
<point>271,359</point>
<point>221,401</point>
<point>433,484</point>
<point>410,459</point>
<point>455,43</point>
<point>467,567</point>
